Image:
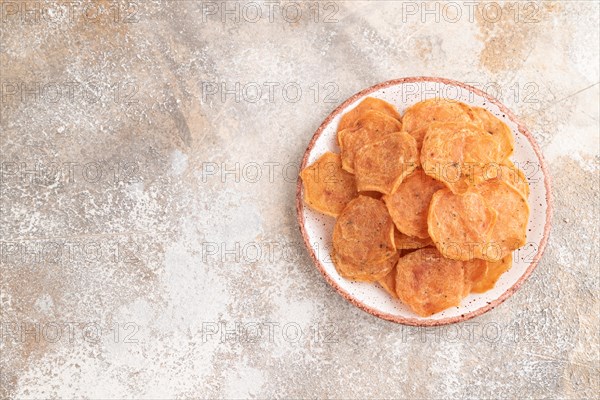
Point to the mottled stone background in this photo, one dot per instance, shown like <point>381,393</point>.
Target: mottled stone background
<point>149,154</point>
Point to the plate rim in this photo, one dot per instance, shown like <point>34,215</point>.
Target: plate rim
<point>407,320</point>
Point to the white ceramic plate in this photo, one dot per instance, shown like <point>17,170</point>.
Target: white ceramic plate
<point>317,228</point>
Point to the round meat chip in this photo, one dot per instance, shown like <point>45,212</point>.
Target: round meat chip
<point>419,116</point>
<point>368,271</point>
<point>370,103</point>
<point>409,204</point>
<point>458,154</point>
<point>364,232</point>
<point>460,225</point>
<point>510,231</point>
<point>382,165</point>
<point>368,128</point>
<point>327,187</point>
<point>429,283</point>
<point>495,127</point>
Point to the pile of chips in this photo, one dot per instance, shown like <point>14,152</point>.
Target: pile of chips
<point>427,204</point>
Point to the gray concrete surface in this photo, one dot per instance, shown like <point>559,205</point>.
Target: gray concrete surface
<point>149,244</point>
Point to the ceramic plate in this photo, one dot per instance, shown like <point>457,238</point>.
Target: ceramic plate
<point>317,228</point>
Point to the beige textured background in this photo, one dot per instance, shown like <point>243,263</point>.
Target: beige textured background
<point>147,223</point>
